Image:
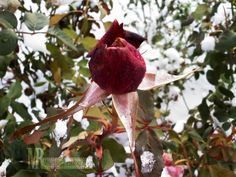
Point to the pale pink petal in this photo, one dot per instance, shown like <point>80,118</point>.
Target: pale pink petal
<point>175,171</point>
<point>126,106</point>
<point>167,158</point>
<point>152,81</point>
<point>91,96</point>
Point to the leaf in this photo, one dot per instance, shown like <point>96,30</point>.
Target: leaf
<point>8,19</point>
<point>147,140</point>
<point>22,110</point>
<point>4,102</point>
<point>70,172</point>
<point>34,137</point>
<point>35,21</point>
<point>219,171</point>
<point>117,151</point>
<point>146,104</point>
<point>72,140</point>
<point>15,90</point>
<point>55,19</point>
<point>204,110</point>
<point>107,161</point>
<point>226,41</point>
<point>92,95</point>
<point>58,33</point>
<point>88,42</point>
<point>26,173</point>
<point>85,72</point>
<point>153,81</point>
<point>8,41</point>
<point>200,11</point>
<point>126,106</point>
<point>213,77</point>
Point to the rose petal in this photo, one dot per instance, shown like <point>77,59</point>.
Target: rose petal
<point>126,106</point>
<point>93,95</point>
<point>175,171</point>
<point>152,81</point>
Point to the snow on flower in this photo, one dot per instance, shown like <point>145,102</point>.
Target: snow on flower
<point>208,44</point>
<point>148,161</point>
<point>89,162</point>
<point>4,166</point>
<point>3,123</point>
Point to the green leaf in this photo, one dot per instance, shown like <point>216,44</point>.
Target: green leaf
<point>88,42</point>
<point>84,71</point>
<point>226,126</point>
<point>226,92</point>
<point>4,102</point>
<point>200,11</point>
<point>204,110</point>
<point>8,19</point>
<point>194,134</point>
<point>70,173</point>
<point>58,33</point>
<point>212,77</point>
<point>226,41</point>
<point>35,21</point>
<point>4,63</point>
<point>15,90</point>
<point>107,161</point>
<point>26,173</point>
<point>8,41</point>
<point>219,171</point>
<point>117,151</point>
<point>21,109</point>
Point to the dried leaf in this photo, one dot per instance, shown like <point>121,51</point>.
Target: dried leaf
<point>152,81</point>
<point>93,95</point>
<point>126,106</point>
<point>72,140</point>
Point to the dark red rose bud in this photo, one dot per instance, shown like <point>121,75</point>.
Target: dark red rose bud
<point>116,30</point>
<point>118,68</point>
<point>133,38</point>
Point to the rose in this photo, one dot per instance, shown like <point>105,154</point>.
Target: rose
<point>116,65</point>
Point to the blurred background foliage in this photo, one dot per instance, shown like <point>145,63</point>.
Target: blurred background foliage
<point>180,33</point>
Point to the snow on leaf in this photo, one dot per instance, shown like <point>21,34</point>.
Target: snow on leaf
<point>152,81</point>
<point>148,161</point>
<point>126,106</point>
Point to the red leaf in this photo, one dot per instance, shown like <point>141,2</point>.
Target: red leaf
<point>34,137</point>
<point>126,106</point>
<point>92,95</point>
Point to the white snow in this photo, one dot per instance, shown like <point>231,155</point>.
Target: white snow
<point>208,44</point>
<point>84,123</point>
<point>60,130</point>
<point>4,166</point>
<point>3,123</point>
<point>147,161</point>
<point>89,162</point>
